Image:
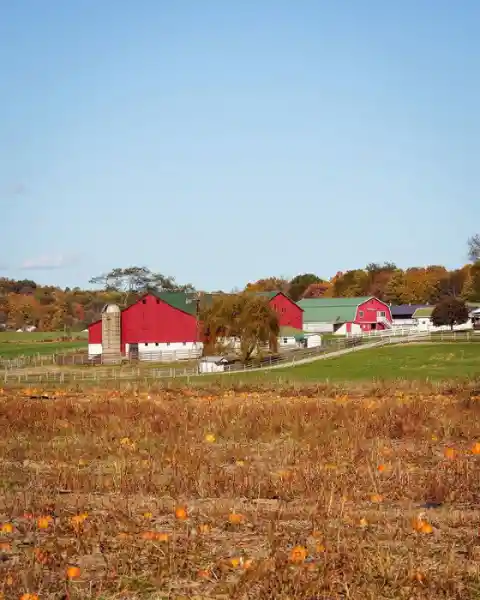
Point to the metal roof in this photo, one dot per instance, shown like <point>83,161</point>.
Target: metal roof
<point>184,301</point>
<point>334,301</point>
<point>331,310</point>
<point>405,310</point>
<point>425,311</point>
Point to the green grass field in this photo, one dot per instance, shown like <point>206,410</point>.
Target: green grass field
<point>410,362</point>
<point>36,336</point>
<point>13,344</point>
<point>14,350</point>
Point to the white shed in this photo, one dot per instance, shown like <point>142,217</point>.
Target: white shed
<point>314,341</point>
<point>212,364</point>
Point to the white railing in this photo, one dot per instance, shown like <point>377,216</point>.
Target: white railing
<point>384,321</point>
<point>138,373</point>
<point>393,332</point>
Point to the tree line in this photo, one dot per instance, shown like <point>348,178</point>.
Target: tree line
<point>25,303</point>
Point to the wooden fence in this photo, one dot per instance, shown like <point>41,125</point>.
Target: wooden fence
<point>147,372</point>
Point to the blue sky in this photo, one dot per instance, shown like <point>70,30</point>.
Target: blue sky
<point>221,142</point>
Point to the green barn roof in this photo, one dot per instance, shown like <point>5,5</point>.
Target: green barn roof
<point>423,312</point>
<point>181,300</point>
<point>330,310</point>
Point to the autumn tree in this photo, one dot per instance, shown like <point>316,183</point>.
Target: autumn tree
<point>137,280</point>
<point>471,288</point>
<point>245,317</point>
<point>452,283</point>
<point>450,311</point>
<point>269,284</point>
<point>379,276</point>
<point>22,310</point>
<point>300,283</point>
<point>317,290</point>
<point>350,284</point>
<point>417,285</point>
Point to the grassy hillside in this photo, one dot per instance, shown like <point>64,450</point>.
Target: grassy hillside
<point>14,344</point>
<point>411,362</point>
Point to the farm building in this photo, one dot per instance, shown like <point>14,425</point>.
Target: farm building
<point>422,317</point>
<point>345,315</point>
<point>212,364</point>
<point>423,320</point>
<point>164,326</point>
<point>402,314</point>
<point>290,337</point>
<point>155,324</point>
<point>290,314</point>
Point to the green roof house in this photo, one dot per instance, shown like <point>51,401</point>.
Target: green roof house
<point>422,318</point>
<point>345,315</point>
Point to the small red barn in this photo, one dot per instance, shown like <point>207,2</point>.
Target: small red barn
<point>290,314</point>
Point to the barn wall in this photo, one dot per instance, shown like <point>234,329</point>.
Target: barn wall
<point>289,313</point>
<point>368,313</point>
<point>151,320</point>
<point>95,333</point>
<point>94,349</point>
<point>318,327</point>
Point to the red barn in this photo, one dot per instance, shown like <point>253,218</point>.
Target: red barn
<point>345,315</point>
<point>290,314</point>
<point>156,323</point>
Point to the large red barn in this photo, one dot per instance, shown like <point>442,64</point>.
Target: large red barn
<point>289,312</point>
<point>155,323</point>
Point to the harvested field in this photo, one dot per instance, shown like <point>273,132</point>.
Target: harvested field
<point>307,493</point>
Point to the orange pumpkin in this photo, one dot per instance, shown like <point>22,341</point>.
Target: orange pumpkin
<point>44,522</point>
<point>235,518</point>
<point>449,453</point>
<point>73,572</point>
<point>181,513</point>
<point>298,554</point>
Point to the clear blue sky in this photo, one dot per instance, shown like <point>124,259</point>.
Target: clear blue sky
<point>223,141</point>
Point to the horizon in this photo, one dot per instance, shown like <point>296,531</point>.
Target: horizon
<point>222,144</point>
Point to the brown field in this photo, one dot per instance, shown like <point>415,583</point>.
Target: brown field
<point>307,493</point>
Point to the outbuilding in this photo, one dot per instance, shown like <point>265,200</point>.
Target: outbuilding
<point>212,364</point>
<point>402,314</point>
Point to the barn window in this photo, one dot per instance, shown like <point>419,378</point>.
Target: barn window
<point>158,300</point>
<point>285,340</point>
<point>360,313</point>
